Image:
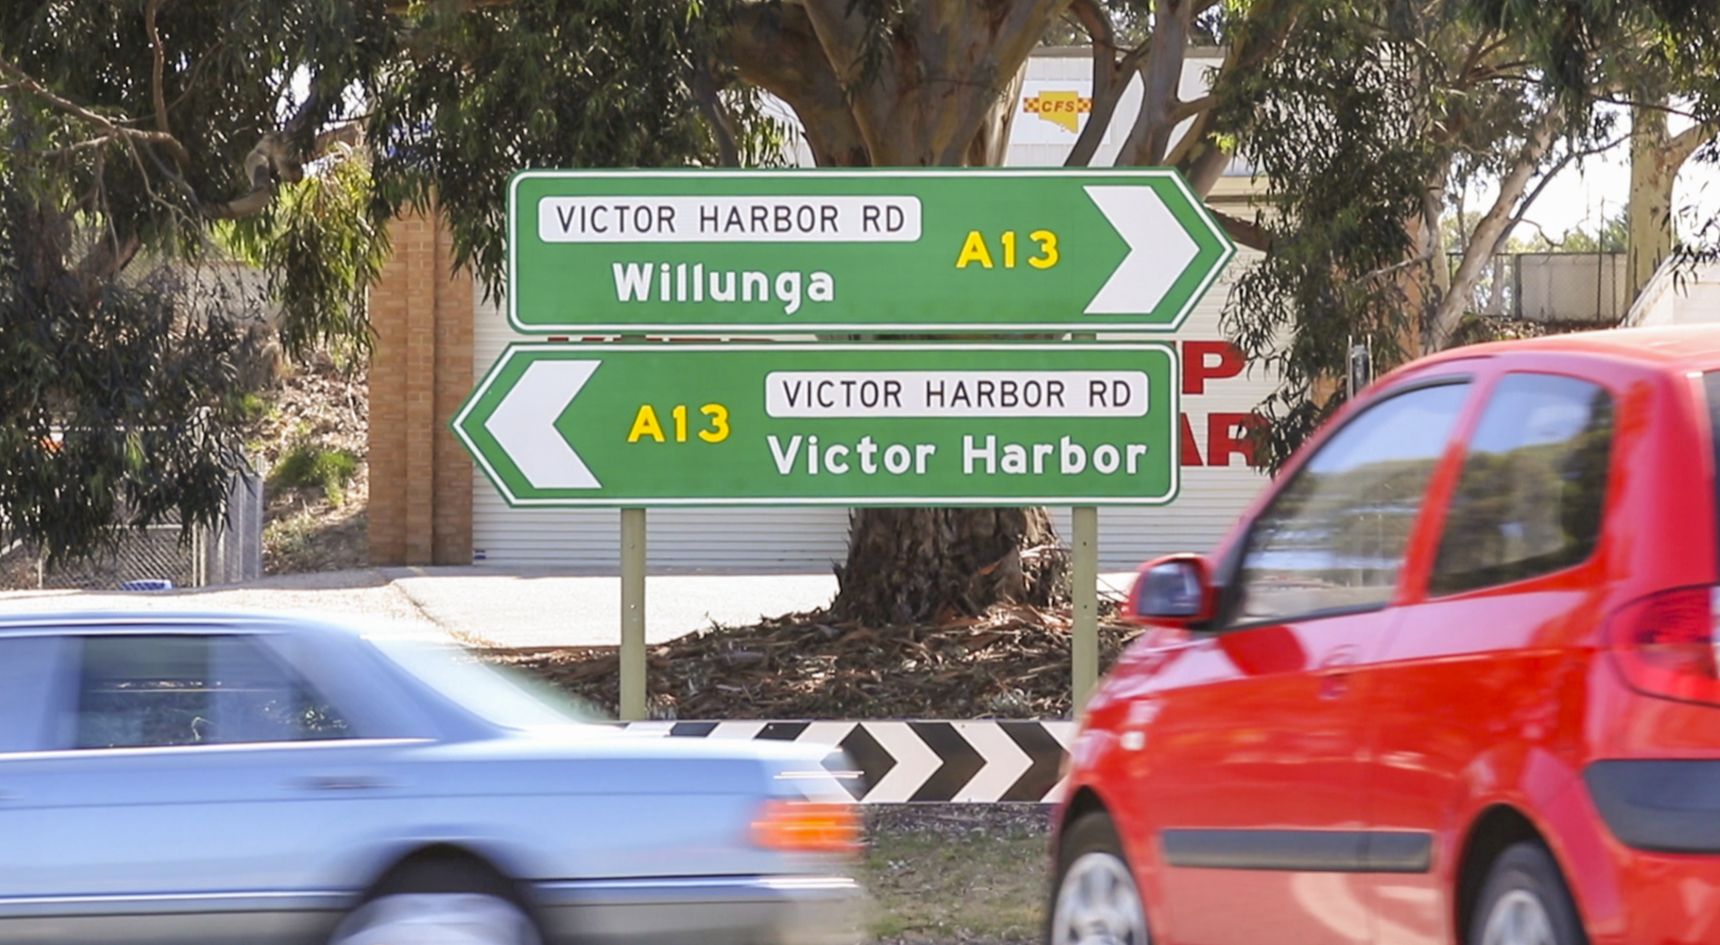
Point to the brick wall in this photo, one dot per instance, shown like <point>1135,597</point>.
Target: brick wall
<point>420,477</point>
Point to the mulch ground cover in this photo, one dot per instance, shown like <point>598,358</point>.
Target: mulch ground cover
<point>1012,662</point>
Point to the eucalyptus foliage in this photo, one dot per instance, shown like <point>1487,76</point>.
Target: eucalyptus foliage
<point>128,131</point>
<point>1334,131</point>
<point>145,143</point>
<point>116,399</point>
<point>1371,113</point>
<point>479,94</point>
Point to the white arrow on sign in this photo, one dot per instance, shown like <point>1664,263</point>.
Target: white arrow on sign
<point>1005,762</point>
<point>1159,250</point>
<point>524,425</point>
<point>914,763</point>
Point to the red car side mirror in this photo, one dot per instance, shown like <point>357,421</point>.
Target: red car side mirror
<point>1175,590</point>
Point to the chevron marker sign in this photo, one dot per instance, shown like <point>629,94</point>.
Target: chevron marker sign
<point>923,761</point>
<point>827,424</point>
<point>993,249</point>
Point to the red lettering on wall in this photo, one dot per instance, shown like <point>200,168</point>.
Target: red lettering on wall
<point>1196,370</point>
<point>1228,433</point>
<point>1189,449</point>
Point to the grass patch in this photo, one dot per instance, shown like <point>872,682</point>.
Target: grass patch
<point>253,408</point>
<point>307,465</point>
<point>933,886</point>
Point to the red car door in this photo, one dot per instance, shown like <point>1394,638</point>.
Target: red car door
<point>1252,741</point>
<point>1480,687</point>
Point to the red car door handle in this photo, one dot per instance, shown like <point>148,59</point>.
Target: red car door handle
<point>1334,685</point>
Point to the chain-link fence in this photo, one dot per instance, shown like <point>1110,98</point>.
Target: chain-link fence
<point>158,556</point>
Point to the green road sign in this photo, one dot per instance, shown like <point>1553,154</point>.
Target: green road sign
<point>989,250</point>
<point>827,424</point>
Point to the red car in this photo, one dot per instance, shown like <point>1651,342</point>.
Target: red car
<point>1452,678</point>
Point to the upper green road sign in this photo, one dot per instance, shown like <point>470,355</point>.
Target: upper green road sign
<point>993,250</point>
<point>827,424</point>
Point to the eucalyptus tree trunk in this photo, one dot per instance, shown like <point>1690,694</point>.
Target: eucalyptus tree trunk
<point>931,85</point>
<point>1655,159</point>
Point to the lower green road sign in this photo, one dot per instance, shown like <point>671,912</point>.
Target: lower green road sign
<point>822,424</point>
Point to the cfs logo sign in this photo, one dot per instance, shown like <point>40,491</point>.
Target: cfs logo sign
<point>1060,108</point>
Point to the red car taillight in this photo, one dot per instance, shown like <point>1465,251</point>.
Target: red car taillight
<point>1665,643</point>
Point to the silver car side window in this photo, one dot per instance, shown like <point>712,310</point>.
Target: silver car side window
<point>28,668</point>
<point>145,690</point>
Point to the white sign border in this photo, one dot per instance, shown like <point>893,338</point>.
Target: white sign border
<point>597,350</point>
<point>1099,322</point>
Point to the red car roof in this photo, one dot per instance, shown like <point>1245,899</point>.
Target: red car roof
<point>1696,345</point>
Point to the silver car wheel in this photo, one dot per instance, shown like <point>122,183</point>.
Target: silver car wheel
<point>436,919</point>
<point>1518,918</point>
<point>1098,904</point>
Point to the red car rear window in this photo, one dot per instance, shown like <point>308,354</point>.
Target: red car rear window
<point>1711,386</point>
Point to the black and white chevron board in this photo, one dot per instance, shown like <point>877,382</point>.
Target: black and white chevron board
<point>921,761</point>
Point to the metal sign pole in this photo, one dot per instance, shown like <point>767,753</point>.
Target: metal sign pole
<point>1084,589</point>
<point>632,615</point>
<point>1084,597</point>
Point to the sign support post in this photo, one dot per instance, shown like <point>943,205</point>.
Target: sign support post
<point>1084,594</point>
<point>632,614</point>
<point>634,425</point>
<point>1084,589</point>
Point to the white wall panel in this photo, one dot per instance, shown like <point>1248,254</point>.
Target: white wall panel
<point>811,539</point>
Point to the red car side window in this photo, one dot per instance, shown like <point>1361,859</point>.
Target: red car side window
<point>1332,541</point>
<point>1529,499</point>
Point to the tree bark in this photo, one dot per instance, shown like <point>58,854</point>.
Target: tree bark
<point>1161,79</point>
<point>920,88</point>
<point>907,565</point>
<point>1655,159</point>
<point>934,86</point>
<point>1110,79</point>
<point>1491,230</point>
<point>774,48</point>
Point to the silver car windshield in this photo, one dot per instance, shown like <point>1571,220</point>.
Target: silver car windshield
<point>495,694</point>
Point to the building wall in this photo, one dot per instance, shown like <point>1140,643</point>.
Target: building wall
<point>1219,392</point>
<point>1678,296</point>
<point>420,477</point>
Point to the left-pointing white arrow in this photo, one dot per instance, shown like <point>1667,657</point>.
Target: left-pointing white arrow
<point>1159,250</point>
<point>524,425</point>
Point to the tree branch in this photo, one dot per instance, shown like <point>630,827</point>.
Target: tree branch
<point>133,135</point>
<point>1249,234</point>
<point>1150,137</point>
<point>1492,228</point>
<point>1189,109</point>
<point>1107,90</point>
<point>705,90</point>
<point>775,49</point>
<point>157,66</point>
<point>1684,144</point>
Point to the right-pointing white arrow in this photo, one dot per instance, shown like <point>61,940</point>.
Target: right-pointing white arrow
<point>524,425</point>
<point>1159,250</point>
<point>1004,762</point>
<point>914,762</point>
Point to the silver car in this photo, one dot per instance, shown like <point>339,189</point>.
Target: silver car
<point>213,778</point>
